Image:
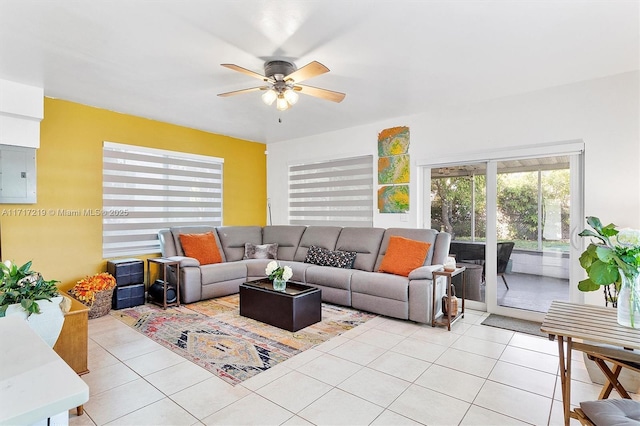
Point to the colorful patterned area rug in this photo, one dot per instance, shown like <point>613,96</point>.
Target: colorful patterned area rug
<point>212,334</point>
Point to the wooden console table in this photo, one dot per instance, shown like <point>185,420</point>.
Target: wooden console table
<point>606,340</point>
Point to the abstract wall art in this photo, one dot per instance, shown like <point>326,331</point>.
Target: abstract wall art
<point>393,170</point>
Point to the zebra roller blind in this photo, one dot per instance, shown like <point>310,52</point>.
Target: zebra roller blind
<point>145,190</point>
<point>336,192</point>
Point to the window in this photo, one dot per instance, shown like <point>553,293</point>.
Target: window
<point>336,192</point>
<point>145,190</point>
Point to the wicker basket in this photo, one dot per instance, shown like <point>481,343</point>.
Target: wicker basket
<point>101,304</point>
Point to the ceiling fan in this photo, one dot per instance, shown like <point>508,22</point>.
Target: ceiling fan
<point>282,78</point>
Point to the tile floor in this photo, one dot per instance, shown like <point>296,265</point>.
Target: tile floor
<point>384,372</point>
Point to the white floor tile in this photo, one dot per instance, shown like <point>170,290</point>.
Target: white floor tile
<point>439,336</point>
<point>389,418</point>
<point>419,349</point>
<point>399,365</point>
<point>330,369</point>
<point>358,352</point>
<point>178,377</point>
<point>491,334</point>
<point>478,416</point>
<point>479,346</point>
<point>251,410</point>
<point>163,412</point>
<point>524,378</point>
<point>379,338</point>
<point>531,359</point>
<point>294,391</point>
<point>440,409</point>
<point>374,386</point>
<point>109,377</point>
<point>154,361</point>
<point>99,357</point>
<point>399,327</point>
<point>451,382</point>
<point>134,348</point>
<point>260,380</point>
<point>117,402</point>
<point>302,358</point>
<point>205,398</point>
<point>535,343</point>
<point>516,403</point>
<point>466,362</point>
<point>341,408</point>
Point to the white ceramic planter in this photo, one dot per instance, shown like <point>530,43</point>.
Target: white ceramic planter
<point>48,323</point>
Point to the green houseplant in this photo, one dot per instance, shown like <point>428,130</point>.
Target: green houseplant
<point>613,260</point>
<point>21,285</point>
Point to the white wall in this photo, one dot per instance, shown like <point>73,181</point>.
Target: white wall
<point>604,113</point>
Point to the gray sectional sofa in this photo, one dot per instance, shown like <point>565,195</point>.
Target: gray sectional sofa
<point>360,287</point>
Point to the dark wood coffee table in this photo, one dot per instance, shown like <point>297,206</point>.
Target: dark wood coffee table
<point>297,307</point>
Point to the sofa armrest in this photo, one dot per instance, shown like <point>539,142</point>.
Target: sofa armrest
<point>185,261</point>
<point>424,272</point>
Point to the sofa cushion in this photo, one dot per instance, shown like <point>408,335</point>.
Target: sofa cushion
<point>425,235</point>
<point>403,256</point>
<point>320,236</point>
<point>260,251</point>
<point>287,237</point>
<point>201,247</point>
<point>364,241</point>
<point>380,285</point>
<point>193,229</point>
<point>233,239</point>
<point>337,259</point>
<point>221,272</point>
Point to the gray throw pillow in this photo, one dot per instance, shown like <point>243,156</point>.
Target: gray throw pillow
<point>260,251</point>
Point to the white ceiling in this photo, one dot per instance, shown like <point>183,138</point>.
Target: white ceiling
<point>161,59</point>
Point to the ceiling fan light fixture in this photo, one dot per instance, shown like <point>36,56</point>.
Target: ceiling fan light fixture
<point>269,96</point>
<point>291,96</point>
<point>281,103</point>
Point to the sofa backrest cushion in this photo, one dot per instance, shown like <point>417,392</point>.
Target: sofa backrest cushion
<point>192,229</point>
<point>426,235</point>
<point>233,239</point>
<point>320,236</point>
<point>167,245</point>
<point>287,237</point>
<point>364,241</point>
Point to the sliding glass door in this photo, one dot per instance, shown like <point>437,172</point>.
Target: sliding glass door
<point>511,221</point>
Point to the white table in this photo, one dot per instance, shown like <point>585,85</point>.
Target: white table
<point>35,383</point>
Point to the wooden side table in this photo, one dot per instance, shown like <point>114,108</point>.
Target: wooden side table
<point>165,264</point>
<point>447,320</point>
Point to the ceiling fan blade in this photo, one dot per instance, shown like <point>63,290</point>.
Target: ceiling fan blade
<point>329,95</point>
<point>247,72</point>
<point>312,69</point>
<point>240,92</point>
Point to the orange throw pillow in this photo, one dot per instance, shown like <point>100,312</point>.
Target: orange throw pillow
<point>201,247</point>
<point>403,256</point>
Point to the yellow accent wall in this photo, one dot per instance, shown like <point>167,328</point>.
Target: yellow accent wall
<point>69,171</point>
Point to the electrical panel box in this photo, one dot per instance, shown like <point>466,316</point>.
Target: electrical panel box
<point>17,175</point>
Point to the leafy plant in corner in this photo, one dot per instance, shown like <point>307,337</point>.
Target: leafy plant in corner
<point>23,286</point>
<point>605,261</point>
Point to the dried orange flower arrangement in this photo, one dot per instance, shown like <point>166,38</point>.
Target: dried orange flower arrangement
<point>85,290</point>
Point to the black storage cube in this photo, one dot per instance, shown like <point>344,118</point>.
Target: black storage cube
<point>126,271</point>
<point>128,296</point>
